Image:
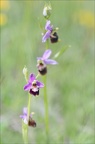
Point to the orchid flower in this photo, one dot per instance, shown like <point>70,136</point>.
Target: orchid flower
<point>33,85</point>
<point>27,120</point>
<point>43,61</point>
<point>50,33</point>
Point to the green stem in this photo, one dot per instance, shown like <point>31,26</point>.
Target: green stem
<point>46,108</point>
<point>37,75</point>
<point>29,101</point>
<point>25,132</point>
<point>25,126</point>
<point>46,101</point>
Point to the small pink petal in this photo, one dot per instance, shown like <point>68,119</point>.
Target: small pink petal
<point>46,54</point>
<point>39,84</point>
<point>27,87</point>
<point>50,61</point>
<point>31,78</point>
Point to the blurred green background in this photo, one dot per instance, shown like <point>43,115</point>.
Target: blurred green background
<point>70,84</point>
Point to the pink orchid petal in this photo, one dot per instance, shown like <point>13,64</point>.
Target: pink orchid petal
<point>31,78</point>
<point>46,36</point>
<point>39,84</point>
<point>48,26</point>
<point>27,87</point>
<point>50,61</point>
<point>46,54</point>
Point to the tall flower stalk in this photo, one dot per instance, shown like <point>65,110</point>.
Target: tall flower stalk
<point>46,108</point>
<point>33,86</point>
<point>49,34</point>
<point>46,102</point>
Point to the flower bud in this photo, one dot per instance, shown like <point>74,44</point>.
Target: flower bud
<point>25,72</point>
<point>47,11</point>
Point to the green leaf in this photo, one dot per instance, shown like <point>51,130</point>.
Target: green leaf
<point>63,49</point>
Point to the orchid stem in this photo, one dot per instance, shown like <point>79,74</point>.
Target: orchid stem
<point>25,132</point>
<point>46,101</point>
<point>37,75</point>
<point>25,126</point>
<point>29,101</point>
<point>46,108</point>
